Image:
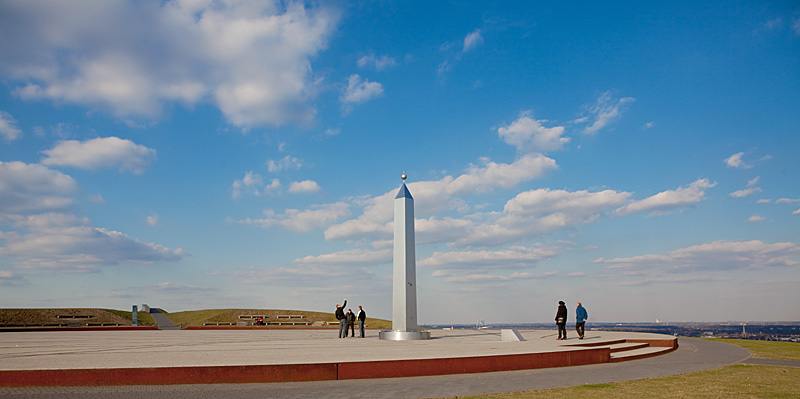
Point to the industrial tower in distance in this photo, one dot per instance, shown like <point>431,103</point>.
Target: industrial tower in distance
<point>404,278</point>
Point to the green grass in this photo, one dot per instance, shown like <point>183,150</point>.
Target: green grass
<point>737,381</point>
<point>766,349</point>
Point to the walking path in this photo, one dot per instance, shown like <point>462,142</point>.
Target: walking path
<point>163,322</point>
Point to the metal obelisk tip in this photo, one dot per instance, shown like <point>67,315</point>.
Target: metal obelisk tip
<point>404,176</point>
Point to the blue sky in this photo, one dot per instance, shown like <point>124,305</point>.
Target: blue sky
<point>639,158</point>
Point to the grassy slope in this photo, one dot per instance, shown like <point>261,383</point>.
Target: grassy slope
<point>767,349</point>
<point>198,317</point>
<point>50,316</point>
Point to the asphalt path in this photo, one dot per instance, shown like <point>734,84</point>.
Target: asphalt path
<point>692,355</point>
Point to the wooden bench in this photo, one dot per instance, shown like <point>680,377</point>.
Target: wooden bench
<point>246,316</point>
<point>214,323</point>
<point>290,316</point>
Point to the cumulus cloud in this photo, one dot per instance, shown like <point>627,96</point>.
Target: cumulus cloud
<point>303,221</point>
<point>667,201</point>
<point>360,90</point>
<point>8,127</point>
<point>750,190</point>
<point>101,153</point>
<point>735,161</point>
<point>349,257</point>
<point>304,187</point>
<point>27,189</point>
<point>251,183</point>
<point>249,59</point>
<point>472,40</point>
<point>440,195</point>
<point>480,261</point>
<point>378,63</point>
<point>542,211</point>
<point>285,163</point>
<point>755,218</point>
<point>605,111</point>
<point>39,232</point>
<point>63,242</point>
<point>528,135</point>
<point>717,256</point>
<point>153,220</point>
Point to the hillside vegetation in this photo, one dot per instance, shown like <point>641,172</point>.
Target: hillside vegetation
<point>196,318</point>
<point>33,317</point>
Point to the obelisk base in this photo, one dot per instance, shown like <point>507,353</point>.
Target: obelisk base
<point>404,335</point>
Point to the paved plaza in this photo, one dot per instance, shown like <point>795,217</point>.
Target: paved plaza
<point>157,349</point>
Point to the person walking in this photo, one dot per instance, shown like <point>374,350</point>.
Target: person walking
<point>342,320</point>
<point>561,320</point>
<point>362,317</point>
<point>351,323</point>
<point>580,319</point>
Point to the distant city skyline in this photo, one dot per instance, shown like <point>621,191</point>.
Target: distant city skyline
<point>639,158</point>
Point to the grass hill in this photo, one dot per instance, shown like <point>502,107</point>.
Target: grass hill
<point>196,318</point>
<point>192,318</point>
<point>64,317</point>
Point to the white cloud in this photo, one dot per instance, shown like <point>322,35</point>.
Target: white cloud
<point>304,187</point>
<point>171,288</point>
<point>100,153</point>
<point>716,256</point>
<point>8,127</point>
<point>735,161</point>
<point>755,218</point>
<point>473,40</point>
<point>744,193</point>
<point>9,278</point>
<point>648,125</point>
<point>359,91</point>
<point>787,200</point>
<point>285,163</point>
<point>666,201</point>
<point>480,261</point>
<point>528,135</point>
<point>28,188</point>
<point>65,243</point>
<point>349,257</point>
<point>153,220</point>
<point>303,221</point>
<point>251,183</point>
<point>605,111</point>
<point>796,26</point>
<point>250,59</point>
<point>440,195</point>
<point>797,212</point>
<point>378,63</point>
<point>542,211</point>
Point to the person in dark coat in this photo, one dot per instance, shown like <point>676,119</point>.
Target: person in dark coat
<point>351,323</point>
<point>362,317</point>
<point>561,320</point>
<point>342,322</point>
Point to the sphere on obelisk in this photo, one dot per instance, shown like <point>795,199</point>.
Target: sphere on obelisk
<point>404,275</point>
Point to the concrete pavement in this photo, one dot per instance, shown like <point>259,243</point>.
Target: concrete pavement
<point>692,355</point>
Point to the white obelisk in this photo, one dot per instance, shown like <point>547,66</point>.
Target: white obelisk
<point>404,278</point>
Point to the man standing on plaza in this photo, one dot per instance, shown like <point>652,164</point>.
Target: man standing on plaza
<point>342,319</point>
<point>362,317</point>
<point>581,316</point>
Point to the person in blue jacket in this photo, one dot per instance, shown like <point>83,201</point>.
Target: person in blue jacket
<point>581,316</point>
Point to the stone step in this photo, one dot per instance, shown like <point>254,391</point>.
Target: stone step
<point>640,353</point>
<point>628,346</point>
